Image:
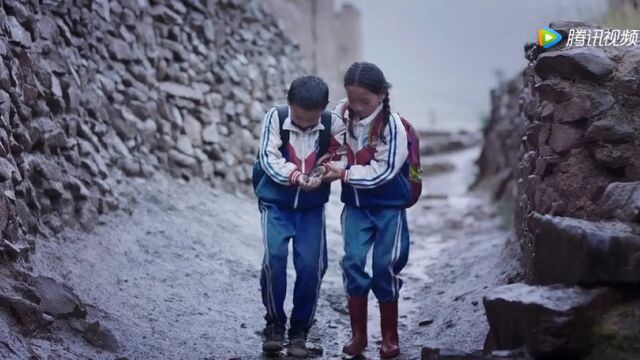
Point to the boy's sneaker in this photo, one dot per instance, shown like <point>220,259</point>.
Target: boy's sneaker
<point>273,338</point>
<point>297,346</point>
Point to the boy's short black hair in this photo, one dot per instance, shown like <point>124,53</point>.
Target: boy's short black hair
<point>309,92</point>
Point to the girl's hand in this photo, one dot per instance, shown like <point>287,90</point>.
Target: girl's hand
<point>332,173</point>
<point>324,158</point>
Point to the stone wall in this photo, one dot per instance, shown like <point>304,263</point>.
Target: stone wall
<point>497,164</point>
<point>577,214</point>
<point>93,93</point>
<point>329,39</point>
<point>582,122</point>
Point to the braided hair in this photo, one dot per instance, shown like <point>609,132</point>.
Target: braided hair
<point>370,77</point>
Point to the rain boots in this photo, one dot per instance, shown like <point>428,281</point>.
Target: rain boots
<point>358,317</point>
<point>389,330</point>
<point>388,326</point>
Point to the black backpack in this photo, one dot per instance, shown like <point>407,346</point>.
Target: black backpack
<point>323,146</point>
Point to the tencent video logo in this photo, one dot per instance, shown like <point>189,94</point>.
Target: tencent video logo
<point>548,37</point>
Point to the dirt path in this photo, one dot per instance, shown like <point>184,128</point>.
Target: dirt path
<point>178,277</point>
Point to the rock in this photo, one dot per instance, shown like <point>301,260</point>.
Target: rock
<point>4,212</point>
<point>179,51</point>
<point>210,134</point>
<point>621,201</point>
<point>223,130</point>
<point>213,117</point>
<point>55,139</point>
<point>255,112</point>
<point>17,33</point>
<point>229,109</point>
<point>101,337</point>
<point>26,312</point>
<point>5,77</point>
<point>581,108</point>
<point>23,138</point>
<point>42,125</point>
<point>117,146</point>
<point>564,26</point>
<point>179,90</point>
<point>47,28</point>
<point>77,188</point>
<point>208,169</point>
<point>248,144</point>
<point>193,128</point>
<point>184,145</point>
<point>609,131</point>
<point>613,156</point>
<point>209,30</point>
<point>554,90</point>
<point>89,166</point>
<point>564,137</point>
<point>166,15</point>
<point>589,63</point>
<point>6,170</point>
<point>177,116</point>
<point>627,80</point>
<point>148,128</point>
<point>216,100</point>
<point>231,72</point>
<point>58,300</point>
<point>52,135</point>
<point>15,148</point>
<point>550,321</point>
<point>14,251</point>
<point>575,251</point>
<point>80,325</point>
<point>130,167</point>
<point>241,94</point>
<point>125,124</point>
<point>450,354</point>
<point>108,85</point>
<point>182,159</point>
<point>88,215</point>
<point>120,50</point>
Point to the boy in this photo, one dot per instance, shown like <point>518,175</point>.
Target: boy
<point>294,141</point>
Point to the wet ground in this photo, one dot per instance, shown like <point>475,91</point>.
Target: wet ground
<point>177,278</point>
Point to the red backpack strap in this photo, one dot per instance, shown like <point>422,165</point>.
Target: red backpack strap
<point>345,108</point>
<point>375,131</point>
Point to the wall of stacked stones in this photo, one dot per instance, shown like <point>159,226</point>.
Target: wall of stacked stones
<point>581,156</point>
<point>329,37</point>
<point>502,135</point>
<point>577,216</point>
<point>94,93</point>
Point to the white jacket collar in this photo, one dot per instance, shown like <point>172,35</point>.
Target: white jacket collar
<point>366,121</point>
<point>289,125</point>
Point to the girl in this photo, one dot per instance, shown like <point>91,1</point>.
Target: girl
<point>375,192</point>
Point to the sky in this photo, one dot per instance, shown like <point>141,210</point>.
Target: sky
<point>443,56</point>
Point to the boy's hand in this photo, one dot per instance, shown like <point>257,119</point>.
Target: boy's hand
<point>311,183</point>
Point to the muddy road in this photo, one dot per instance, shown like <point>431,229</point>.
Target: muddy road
<point>177,276</point>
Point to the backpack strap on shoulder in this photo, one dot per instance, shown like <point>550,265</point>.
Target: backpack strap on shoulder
<point>283,114</point>
<point>375,132</point>
<point>325,134</point>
